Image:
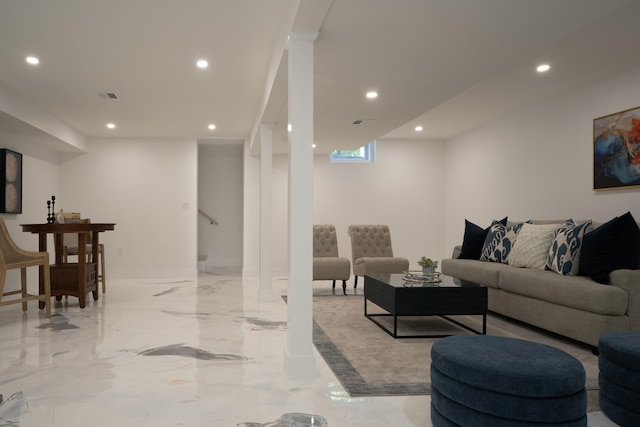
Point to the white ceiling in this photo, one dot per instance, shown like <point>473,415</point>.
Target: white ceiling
<point>449,65</point>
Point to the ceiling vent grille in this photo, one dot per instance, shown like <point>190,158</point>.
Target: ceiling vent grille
<point>363,121</point>
<point>108,95</point>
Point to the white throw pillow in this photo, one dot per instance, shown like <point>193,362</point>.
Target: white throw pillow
<point>531,248</point>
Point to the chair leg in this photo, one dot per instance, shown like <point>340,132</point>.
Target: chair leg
<point>355,283</point>
<point>344,287</point>
<point>334,284</point>
<point>23,283</point>
<point>103,274</point>
<point>47,288</point>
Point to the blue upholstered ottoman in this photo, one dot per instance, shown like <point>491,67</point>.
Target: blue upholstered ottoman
<point>619,377</point>
<point>481,380</point>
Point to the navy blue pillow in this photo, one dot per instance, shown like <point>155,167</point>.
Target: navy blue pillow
<point>612,246</point>
<point>474,238</point>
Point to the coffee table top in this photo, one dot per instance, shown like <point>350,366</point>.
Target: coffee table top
<point>399,281</point>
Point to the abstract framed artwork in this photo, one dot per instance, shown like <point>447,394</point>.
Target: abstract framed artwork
<point>11,181</point>
<point>616,150</point>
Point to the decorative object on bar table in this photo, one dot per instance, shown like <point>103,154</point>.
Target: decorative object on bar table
<point>11,181</point>
<point>428,265</point>
<point>51,209</point>
<point>60,217</point>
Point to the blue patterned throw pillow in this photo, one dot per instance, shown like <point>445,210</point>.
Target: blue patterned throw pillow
<point>474,237</point>
<point>564,254</point>
<point>492,241</point>
<point>499,242</point>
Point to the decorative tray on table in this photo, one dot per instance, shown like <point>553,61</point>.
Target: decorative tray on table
<point>418,277</point>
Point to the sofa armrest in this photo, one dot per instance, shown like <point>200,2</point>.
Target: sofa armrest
<point>629,280</point>
<point>456,252</point>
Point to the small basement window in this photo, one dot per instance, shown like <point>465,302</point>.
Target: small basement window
<point>364,154</point>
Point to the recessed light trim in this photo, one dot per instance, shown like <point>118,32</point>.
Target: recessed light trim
<point>32,60</point>
<point>372,94</point>
<point>543,68</point>
<point>202,63</point>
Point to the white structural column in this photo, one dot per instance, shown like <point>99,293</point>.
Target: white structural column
<point>266,244</point>
<point>299,358</point>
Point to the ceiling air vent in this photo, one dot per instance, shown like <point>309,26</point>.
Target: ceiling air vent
<point>108,95</point>
<point>363,121</point>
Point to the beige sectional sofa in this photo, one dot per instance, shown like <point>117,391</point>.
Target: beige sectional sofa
<point>575,306</point>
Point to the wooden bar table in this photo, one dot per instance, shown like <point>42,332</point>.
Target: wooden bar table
<point>75,279</point>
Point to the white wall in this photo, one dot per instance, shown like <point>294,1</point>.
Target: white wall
<point>220,186</point>
<point>403,189</point>
<point>538,163</point>
<point>148,187</point>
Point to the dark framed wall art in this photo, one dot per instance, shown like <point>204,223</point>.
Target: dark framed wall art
<point>616,150</point>
<point>11,176</point>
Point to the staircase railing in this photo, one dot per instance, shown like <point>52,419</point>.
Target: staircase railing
<point>204,214</point>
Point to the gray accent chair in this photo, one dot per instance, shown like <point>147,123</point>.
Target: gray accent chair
<point>327,264</point>
<point>372,252</point>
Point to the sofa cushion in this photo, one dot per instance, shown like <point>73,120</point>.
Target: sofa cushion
<point>485,273</point>
<point>564,254</point>
<point>579,292</point>
<point>474,237</point>
<point>612,246</point>
<point>531,248</point>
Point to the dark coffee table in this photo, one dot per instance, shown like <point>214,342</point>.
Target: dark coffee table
<point>397,297</point>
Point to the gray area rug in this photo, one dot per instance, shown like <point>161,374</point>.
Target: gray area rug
<point>369,362</point>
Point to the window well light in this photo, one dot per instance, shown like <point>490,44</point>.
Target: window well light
<point>111,125</point>
<point>212,127</point>
<point>202,63</point>
<point>372,94</point>
<point>418,128</point>
<point>33,60</point>
<point>543,68</point>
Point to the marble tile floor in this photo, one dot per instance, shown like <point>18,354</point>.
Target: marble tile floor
<point>202,352</point>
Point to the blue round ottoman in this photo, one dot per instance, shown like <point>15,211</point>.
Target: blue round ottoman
<point>619,376</point>
<point>480,380</point>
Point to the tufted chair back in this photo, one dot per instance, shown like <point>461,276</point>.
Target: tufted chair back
<point>372,253</point>
<point>325,241</point>
<point>370,241</point>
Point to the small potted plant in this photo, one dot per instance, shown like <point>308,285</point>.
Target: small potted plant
<point>428,265</point>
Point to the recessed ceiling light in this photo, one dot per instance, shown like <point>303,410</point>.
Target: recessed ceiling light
<point>289,127</point>
<point>33,60</point>
<point>418,128</point>
<point>212,127</point>
<point>202,63</point>
<point>111,125</point>
<point>372,94</point>
<point>543,68</point>
<point>314,145</point>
